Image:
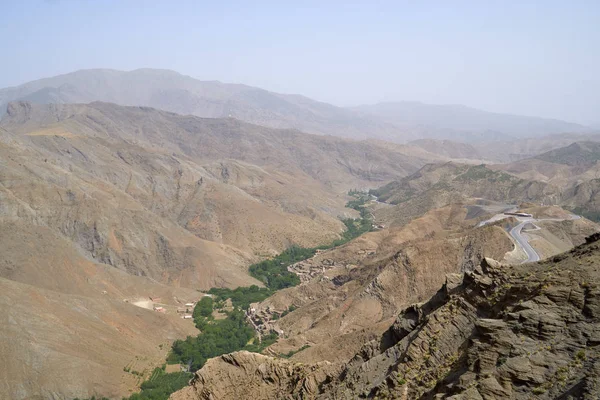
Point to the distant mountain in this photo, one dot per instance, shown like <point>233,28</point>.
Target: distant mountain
<point>576,154</point>
<point>514,150</point>
<point>462,180</point>
<point>463,123</point>
<point>563,166</point>
<point>448,148</point>
<point>573,169</point>
<point>171,91</point>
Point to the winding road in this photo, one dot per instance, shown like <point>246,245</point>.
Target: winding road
<point>515,233</point>
<point>519,239</point>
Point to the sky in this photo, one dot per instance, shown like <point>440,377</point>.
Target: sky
<point>538,58</point>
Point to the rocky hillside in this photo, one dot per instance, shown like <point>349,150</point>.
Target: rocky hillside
<point>574,169</point>
<point>497,332</point>
<point>70,326</point>
<point>563,166</point>
<point>577,154</point>
<point>505,151</point>
<point>162,195</point>
<point>245,375</point>
<point>437,185</point>
<point>467,180</point>
<point>350,294</point>
<point>448,148</point>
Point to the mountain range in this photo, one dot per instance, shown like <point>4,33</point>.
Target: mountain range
<point>464,123</point>
<point>171,91</point>
<point>126,195</point>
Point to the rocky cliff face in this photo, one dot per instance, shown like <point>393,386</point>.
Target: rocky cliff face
<point>498,332</point>
<point>245,375</point>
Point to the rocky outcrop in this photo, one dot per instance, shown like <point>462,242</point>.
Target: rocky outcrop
<point>504,332</point>
<point>497,332</point>
<point>245,375</point>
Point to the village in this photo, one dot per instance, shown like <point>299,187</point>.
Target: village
<point>184,309</point>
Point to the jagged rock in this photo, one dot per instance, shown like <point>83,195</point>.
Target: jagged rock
<point>453,282</point>
<point>245,375</point>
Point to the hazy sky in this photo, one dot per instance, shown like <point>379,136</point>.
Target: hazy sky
<point>527,57</point>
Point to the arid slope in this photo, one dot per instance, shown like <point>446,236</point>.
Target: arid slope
<point>104,206</point>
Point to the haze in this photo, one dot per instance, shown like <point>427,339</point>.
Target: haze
<point>540,58</point>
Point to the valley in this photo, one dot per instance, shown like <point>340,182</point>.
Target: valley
<point>151,255</point>
<point>299,200</point>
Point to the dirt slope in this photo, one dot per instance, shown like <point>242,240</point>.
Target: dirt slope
<point>467,180</point>
<point>62,346</point>
<point>167,196</point>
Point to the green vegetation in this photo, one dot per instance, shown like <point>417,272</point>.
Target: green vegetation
<point>93,398</point>
<point>360,199</point>
<point>291,353</point>
<point>265,342</point>
<point>160,385</point>
<point>289,310</point>
<point>204,307</point>
<point>217,337</point>
<point>357,192</point>
<point>242,296</point>
<point>354,228</point>
<point>203,312</point>
<point>274,273</point>
<point>234,333</point>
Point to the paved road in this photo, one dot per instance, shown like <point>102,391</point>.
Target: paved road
<point>515,232</point>
<point>520,240</point>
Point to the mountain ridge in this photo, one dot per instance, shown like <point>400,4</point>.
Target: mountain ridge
<point>172,91</point>
<point>467,123</point>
